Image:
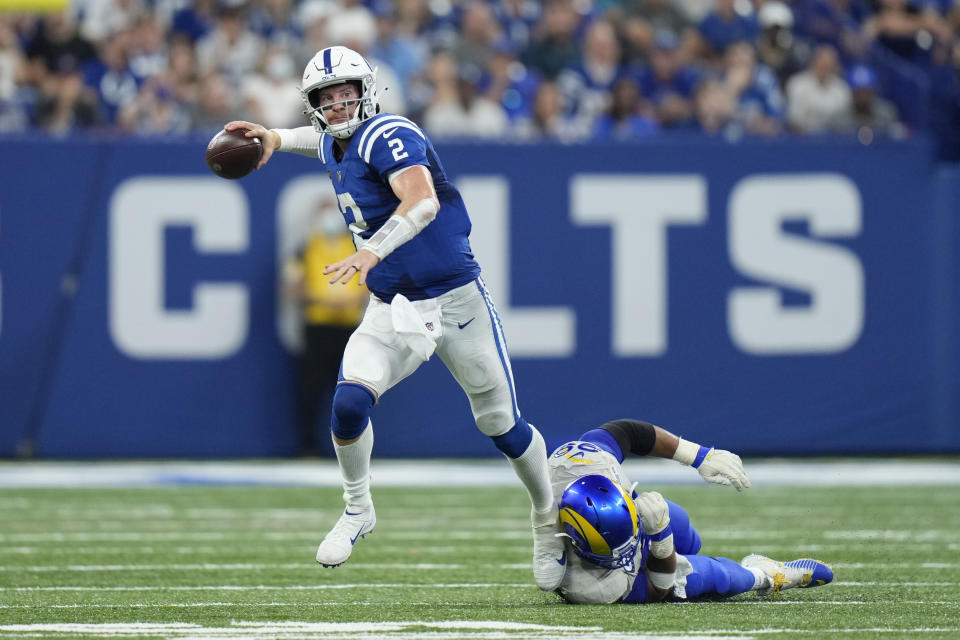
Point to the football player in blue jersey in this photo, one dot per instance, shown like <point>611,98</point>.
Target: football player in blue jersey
<point>638,547</point>
<point>411,228</point>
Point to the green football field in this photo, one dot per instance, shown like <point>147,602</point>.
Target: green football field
<point>237,562</point>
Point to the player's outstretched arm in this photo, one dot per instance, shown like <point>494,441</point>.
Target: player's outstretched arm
<point>269,137</point>
<point>714,465</point>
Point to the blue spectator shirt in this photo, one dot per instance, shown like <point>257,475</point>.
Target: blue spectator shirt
<point>720,33</point>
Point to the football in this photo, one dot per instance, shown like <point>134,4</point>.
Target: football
<point>231,155</point>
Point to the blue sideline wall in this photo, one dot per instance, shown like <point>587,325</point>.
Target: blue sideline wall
<point>773,298</point>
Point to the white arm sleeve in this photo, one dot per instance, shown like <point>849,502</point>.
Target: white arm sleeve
<point>304,141</point>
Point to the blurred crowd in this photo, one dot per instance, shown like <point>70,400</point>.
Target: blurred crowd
<point>518,70</point>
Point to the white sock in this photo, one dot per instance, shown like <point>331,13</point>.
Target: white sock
<point>531,468</point>
<point>760,579</point>
<point>354,459</point>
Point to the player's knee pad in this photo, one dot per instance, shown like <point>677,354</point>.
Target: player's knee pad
<point>515,441</point>
<point>351,410</point>
<point>494,411</point>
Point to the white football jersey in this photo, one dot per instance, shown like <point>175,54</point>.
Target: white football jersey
<point>585,582</point>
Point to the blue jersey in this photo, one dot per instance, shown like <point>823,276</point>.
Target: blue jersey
<point>438,258</point>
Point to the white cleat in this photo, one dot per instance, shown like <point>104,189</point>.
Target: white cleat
<point>549,552</point>
<point>354,523</point>
<point>803,573</point>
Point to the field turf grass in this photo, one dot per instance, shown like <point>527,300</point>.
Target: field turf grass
<point>237,562</point>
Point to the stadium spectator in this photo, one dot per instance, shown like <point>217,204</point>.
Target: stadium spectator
<point>723,26</point>
<point>56,46</point>
<point>509,82</point>
<point>548,119</point>
<point>778,47</point>
<point>330,313</point>
<point>215,105</point>
<point>110,75</point>
<point>276,22</point>
<point>230,48</point>
<point>165,103</point>
<point>625,118</point>
<point>66,104</point>
<point>149,56</point>
<point>407,55</point>
<point>760,104</point>
<point>478,33</point>
<point>99,20</point>
<point>634,548</point>
<point>554,45</point>
<point>639,21</point>
<point>195,20</point>
<point>271,95</point>
<point>517,19</point>
<point>833,22</point>
<point>668,83</point>
<point>818,95</point>
<point>714,108</point>
<point>868,116</point>
<point>587,84</point>
<point>460,112</point>
<point>900,28</point>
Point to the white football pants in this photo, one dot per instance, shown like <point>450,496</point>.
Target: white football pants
<point>462,326</point>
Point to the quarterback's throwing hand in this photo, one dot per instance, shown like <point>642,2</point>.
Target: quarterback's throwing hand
<point>723,467</point>
<point>270,139</point>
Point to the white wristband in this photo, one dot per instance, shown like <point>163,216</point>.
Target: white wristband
<point>399,229</point>
<point>394,232</point>
<point>662,580</point>
<point>686,452</point>
<point>662,548</point>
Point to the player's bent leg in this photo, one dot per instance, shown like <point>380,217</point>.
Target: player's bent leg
<point>686,540</point>
<point>474,350</point>
<point>719,577</point>
<point>802,573</point>
<point>525,449</point>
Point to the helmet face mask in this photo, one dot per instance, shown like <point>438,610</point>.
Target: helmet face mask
<point>334,66</point>
<point>601,521</point>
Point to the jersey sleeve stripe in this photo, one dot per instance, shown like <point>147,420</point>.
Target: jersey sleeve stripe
<point>375,121</point>
<point>384,127</point>
<point>323,155</point>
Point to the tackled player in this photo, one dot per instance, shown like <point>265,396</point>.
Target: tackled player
<point>636,548</point>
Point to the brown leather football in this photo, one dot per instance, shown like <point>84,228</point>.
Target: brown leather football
<point>232,155</point>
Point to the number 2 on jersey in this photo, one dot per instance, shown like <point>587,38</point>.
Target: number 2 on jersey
<point>349,205</point>
<point>398,152</point>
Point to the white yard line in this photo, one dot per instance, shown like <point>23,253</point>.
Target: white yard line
<point>457,473</point>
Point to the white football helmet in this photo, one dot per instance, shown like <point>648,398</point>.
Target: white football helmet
<point>336,65</point>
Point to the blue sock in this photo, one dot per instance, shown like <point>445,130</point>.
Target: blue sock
<point>717,577</point>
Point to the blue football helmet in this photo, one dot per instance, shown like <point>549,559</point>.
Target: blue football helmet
<point>600,519</point>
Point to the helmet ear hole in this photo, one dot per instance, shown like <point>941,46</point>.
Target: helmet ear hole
<point>314,98</point>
